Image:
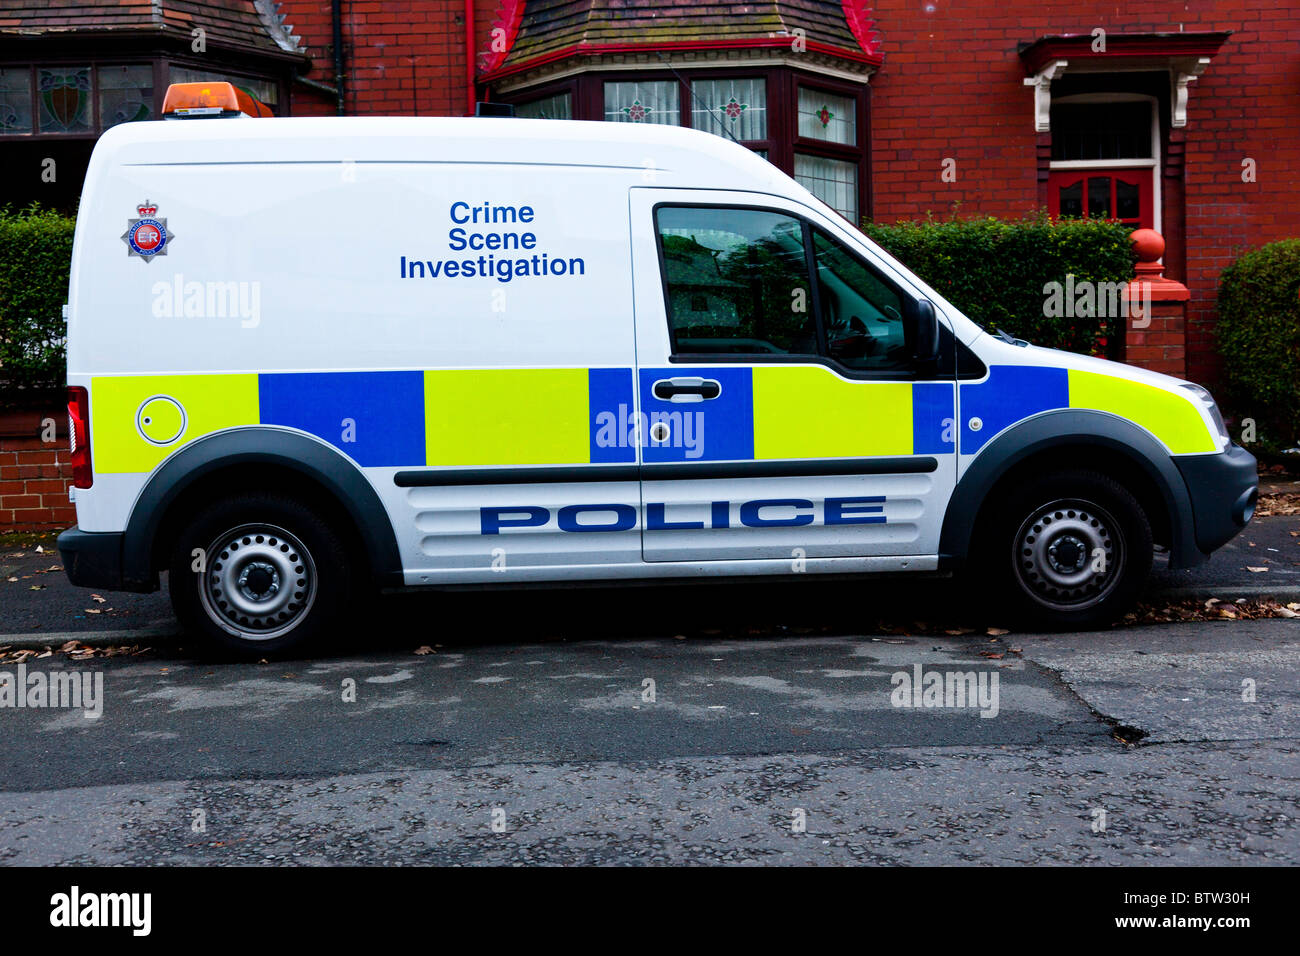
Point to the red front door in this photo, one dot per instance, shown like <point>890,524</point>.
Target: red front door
<point>1123,194</point>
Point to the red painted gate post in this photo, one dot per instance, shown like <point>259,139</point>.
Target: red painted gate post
<point>1155,327</point>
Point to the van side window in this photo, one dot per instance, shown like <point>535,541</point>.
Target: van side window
<point>863,312</point>
<point>736,281</point>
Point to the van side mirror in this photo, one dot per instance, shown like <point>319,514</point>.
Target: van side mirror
<point>926,331</point>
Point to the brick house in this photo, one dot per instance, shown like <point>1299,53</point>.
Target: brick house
<point>1174,116</point>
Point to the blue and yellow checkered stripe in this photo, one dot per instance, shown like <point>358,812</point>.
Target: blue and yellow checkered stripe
<point>485,417</point>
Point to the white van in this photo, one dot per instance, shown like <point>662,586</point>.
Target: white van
<point>312,356</point>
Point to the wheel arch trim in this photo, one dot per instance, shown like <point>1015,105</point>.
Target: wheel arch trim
<point>1062,428</point>
<point>292,450</point>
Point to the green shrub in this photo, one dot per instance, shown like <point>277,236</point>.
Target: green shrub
<point>996,270</point>
<point>1259,339</point>
<point>35,258</point>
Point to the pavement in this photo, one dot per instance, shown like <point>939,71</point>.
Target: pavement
<point>1134,746</point>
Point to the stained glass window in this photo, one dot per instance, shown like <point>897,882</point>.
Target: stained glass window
<point>558,106</point>
<point>827,117</point>
<point>657,102</point>
<point>16,100</point>
<point>63,98</point>
<point>833,181</point>
<point>125,94</point>
<point>737,107</point>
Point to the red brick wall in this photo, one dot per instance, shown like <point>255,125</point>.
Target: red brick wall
<point>952,86</point>
<point>34,480</point>
<point>404,57</point>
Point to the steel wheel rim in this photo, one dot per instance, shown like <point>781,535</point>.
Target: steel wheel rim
<point>259,581</point>
<point>1055,554</point>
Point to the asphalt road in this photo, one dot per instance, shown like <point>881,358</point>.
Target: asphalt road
<point>559,744</point>
<point>745,723</point>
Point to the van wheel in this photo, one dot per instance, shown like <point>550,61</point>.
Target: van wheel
<point>271,575</point>
<point>1070,550</point>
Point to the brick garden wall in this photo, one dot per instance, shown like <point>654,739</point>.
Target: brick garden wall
<point>34,481</point>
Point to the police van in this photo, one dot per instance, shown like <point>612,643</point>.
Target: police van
<point>312,358</point>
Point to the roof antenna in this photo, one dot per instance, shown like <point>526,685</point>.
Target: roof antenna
<point>691,89</point>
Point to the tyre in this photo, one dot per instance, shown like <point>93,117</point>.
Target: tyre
<point>258,575</point>
<point>1066,550</point>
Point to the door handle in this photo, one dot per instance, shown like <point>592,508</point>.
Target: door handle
<point>686,389</point>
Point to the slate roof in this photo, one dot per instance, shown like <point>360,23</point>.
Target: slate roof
<point>251,25</point>
<point>548,26</point>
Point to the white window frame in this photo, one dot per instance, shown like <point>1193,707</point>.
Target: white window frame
<point>1152,164</point>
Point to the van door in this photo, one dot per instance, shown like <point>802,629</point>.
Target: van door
<point>784,413</point>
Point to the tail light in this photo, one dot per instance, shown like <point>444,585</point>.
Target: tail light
<point>79,436</point>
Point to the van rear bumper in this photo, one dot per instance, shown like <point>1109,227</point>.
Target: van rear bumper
<point>1223,489</point>
<point>93,559</point>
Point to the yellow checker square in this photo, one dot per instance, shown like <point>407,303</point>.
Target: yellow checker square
<point>138,420</point>
<point>810,412</point>
<point>1172,419</point>
<point>524,416</point>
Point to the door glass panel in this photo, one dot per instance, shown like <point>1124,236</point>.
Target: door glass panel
<point>862,312</point>
<point>1099,197</point>
<point>1127,202</point>
<point>736,281</point>
<point>1072,201</point>
<point>1101,130</point>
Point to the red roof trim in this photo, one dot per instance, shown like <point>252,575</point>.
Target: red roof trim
<point>1045,49</point>
<point>597,49</point>
<point>509,16</point>
<point>857,14</point>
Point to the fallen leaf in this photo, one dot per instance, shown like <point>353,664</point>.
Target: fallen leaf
<point>424,649</point>
<point>36,587</point>
<point>97,599</point>
<point>1255,570</point>
<point>996,631</point>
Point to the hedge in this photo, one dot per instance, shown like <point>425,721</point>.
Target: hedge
<point>996,271</point>
<point>35,258</point>
<point>1259,339</point>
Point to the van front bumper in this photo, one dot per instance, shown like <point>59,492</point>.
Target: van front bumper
<point>1223,489</point>
<point>92,559</point>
